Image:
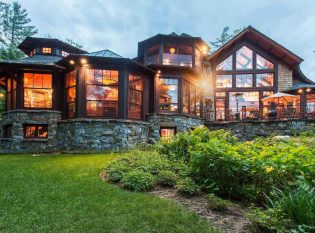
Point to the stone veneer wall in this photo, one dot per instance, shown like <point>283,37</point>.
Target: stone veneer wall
<point>182,123</point>
<point>101,134</point>
<point>285,77</point>
<point>18,118</point>
<point>250,130</point>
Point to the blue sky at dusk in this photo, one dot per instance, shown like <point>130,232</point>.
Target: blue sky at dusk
<point>119,24</point>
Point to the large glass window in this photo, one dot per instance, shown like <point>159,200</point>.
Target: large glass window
<point>223,81</point>
<point>227,64</point>
<point>244,59</point>
<point>71,93</point>
<point>177,55</point>
<point>169,94</point>
<point>37,90</point>
<point>244,80</point>
<point>102,93</point>
<point>246,103</point>
<point>264,80</point>
<point>191,99</point>
<point>135,97</point>
<point>153,55</point>
<point>262,63</point>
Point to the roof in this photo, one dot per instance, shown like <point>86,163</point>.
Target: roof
<point>40,59</point>
<point>30,43</point>
<point>298,86</point>
<point>104,53</point>
<point>264,42</point>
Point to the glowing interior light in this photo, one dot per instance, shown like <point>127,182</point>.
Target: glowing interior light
<point>71,62</point>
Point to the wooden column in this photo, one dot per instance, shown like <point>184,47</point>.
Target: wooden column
<point>123,93</point>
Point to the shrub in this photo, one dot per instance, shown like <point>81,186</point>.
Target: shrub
<point>137,180</point>
<point>217,203</point>
<point>167,178</point>
<point>115,171</point>
<point>187,187</point>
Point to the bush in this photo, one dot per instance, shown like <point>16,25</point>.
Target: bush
<point>217,204</point>
<point>167,178</point>
<point>187,187</point>
<point>138,180</point>
<point>115,171</point>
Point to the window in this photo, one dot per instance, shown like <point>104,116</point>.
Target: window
<point>245,102</point>
<point>263,64</point>
<point>220,94</point>
<point>11,94</point>
<point>7,131</point>
<point>264,80</point>
<point>64,53</point>
<point>267,93</point>
<point>310,103</point>
<point>177,55</point>
<point>191,99</point>
<point>244,59</point>
<point>135,96</point>
<point>244,80</point>
<point>71,93</point>
<point>169,94</point>
<point>167,134</point>
<point>37,90</point>
<point>35,131</point>
<point>46,50</point>
<point>102,93</point>
<point>223,81</point>
<point>153,55</point>
<point>220,109</point>
<point>33,52</point>
<point>227,64</point>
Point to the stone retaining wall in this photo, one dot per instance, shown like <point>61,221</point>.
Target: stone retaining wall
<point>182,123</point>
<point>101,134</point>
<point>18,118</point>
<point>250,130</point>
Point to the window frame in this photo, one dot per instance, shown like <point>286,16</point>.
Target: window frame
<point>7,131</point>
<point>178,94</point>
<point>10,98</point>
<point>46,50</point>
<point>52,89</point>
<point>36,131</point>
<point>189,85</point>
<point>167,127</point>
<point>130,90</point>
<point>68,87</point>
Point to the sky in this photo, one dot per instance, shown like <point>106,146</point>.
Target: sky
<point>119,25</point>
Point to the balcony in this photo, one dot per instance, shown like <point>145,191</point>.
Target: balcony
<point>177,60</point>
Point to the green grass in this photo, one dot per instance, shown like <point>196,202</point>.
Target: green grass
<point>64,193</point>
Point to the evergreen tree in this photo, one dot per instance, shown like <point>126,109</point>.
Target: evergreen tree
<point>14,27</point>
<point>224,37</point>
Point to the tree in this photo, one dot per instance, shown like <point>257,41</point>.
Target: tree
<point>224,37</point>
<point>73,43</point>
<point>14,27</point>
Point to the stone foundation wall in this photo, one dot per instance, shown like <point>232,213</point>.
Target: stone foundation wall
<point>182,123</point>
<point>18,118</point>
<point>250,130</point>
<point>101,134</point>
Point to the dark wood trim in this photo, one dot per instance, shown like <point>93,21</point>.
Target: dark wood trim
<point>81,93</point>
<point>123,94</point>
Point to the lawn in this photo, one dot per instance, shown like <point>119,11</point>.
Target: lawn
<point>64,193</point>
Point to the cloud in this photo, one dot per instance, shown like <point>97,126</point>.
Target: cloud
<point>120,24</point>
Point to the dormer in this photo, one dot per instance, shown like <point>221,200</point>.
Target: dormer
<point>47,46</point>
<point>173,50</point>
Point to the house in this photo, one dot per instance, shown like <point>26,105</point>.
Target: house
<point>62,97</point>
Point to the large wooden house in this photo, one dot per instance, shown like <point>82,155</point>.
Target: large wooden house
<point>62,97</point>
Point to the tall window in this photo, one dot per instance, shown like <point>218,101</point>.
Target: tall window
<point>153,55</point>
<point>191,99</point>
<point>244,59</point>
<point>169,94</point>
<point>35,131</point>
<point>244,80</point>
<point>310,103</point>
<point>135,96</point>
<point>37,90</point>
<point>220,105</point>
<point>223,81</point>
<point>71,93</point>
<point>11,94</point>
<point>264,80</point>
<point>102,93</point>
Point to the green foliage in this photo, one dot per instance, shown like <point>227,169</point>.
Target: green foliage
<point>218,204</point>
<point>137,180</point>
<point>297,203</point>
<point>187,187</point>
<point>14,25</point>
<point>242,170</point>
<point>167,178</point>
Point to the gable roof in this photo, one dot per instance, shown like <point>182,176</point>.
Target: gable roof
<point>265,43</point>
